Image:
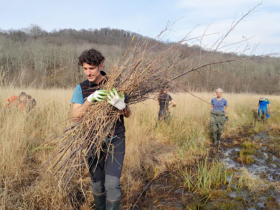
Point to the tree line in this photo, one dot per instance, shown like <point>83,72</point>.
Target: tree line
<point>37,58</point>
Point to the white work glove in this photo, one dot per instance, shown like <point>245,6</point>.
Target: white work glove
<point>97,96</point>
<point>115,100</point>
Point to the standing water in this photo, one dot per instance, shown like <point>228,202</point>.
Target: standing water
<point>260,157</point>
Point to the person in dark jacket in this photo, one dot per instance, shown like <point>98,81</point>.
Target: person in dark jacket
<point>163,101</point>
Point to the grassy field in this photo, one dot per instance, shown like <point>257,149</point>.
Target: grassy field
<point>25,144</point>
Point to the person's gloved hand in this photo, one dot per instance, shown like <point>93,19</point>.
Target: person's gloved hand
<point>226,118</point>
<point>97,96</point>
<point>115,100</point>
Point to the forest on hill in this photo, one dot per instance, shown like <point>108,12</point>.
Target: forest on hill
<point>33,57</point>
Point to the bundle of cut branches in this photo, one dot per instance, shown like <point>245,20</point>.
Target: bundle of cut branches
<point>140,74</point>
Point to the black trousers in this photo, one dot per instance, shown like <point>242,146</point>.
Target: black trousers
<point>164,115</point>
<point>105,171</point>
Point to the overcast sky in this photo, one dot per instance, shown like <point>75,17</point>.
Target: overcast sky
<point>149,17</point>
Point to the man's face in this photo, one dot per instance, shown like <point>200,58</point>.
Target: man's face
<point>219,93</point>
<point>92,72</point>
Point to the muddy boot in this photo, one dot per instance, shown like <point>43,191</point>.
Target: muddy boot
<point>100,201</point>
<point>113,205</point>
<point>215,142</point>
<point>219,138</point>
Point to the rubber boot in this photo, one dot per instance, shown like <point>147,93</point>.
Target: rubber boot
<point>219,138</point>
<point>113,205</point>
<point>100,201</point>
<point>215,142</point>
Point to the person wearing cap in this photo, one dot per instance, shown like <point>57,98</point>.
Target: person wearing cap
<point>105,172</point>
<point>219,114</point>
<point>263,108</point>
<point>163,101</point>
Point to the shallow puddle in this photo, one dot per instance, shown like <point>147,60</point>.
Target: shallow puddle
<point>266,166</point>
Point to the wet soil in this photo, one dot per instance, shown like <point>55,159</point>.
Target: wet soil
<point>167,191</point>
<point>266,159</point>
<point>266,166</point>
<point>164,192</point>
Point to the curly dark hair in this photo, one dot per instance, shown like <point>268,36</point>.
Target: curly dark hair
<point>91,57</point>
<point>166,87</point>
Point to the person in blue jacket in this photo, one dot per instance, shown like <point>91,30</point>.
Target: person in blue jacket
<point>263,108</point>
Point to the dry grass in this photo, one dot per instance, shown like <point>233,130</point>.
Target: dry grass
<point>149,151</point>
<point>252,182</point>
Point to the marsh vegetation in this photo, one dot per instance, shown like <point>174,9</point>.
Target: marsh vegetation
<point>172,167</point>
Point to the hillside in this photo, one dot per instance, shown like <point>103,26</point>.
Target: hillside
<point>37,58</point>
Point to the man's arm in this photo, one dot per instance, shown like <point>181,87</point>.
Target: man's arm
<point>258,105</point>
<point>212,107</point>
<point>80,106</point>
<point>79,110</point>
<point>226,111</point>
<point>173,102</point>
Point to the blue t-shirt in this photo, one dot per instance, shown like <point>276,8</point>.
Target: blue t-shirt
<point>77,97</point>
<point>263,104</point>
<point>219,104</point>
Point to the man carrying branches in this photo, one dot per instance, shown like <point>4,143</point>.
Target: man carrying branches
<point>105,170</point>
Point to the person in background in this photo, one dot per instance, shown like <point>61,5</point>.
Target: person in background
<point>105,176</point>
<point>30,103</point>
<point>23,101</point>
<point>263,108</point>
<point>219,114</point>
<point>163,101</point>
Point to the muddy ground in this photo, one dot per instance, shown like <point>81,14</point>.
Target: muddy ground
<point>259,153</point>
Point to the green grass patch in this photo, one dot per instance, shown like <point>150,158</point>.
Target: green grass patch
<point>244,152</point>
<point>246,156</point>
<point>205,177</point>
<point>247,145</point>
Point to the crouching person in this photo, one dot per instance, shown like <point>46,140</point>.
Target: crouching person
<point>23,101</point>
<point>263,109</point>
<point>105,172</point>
<point>219,114</point>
